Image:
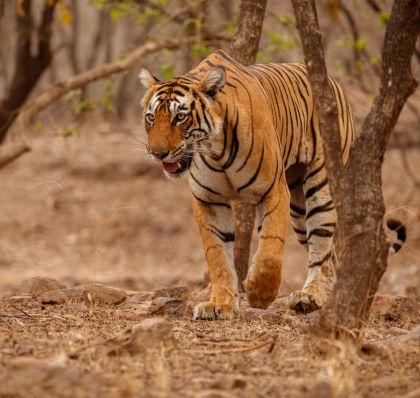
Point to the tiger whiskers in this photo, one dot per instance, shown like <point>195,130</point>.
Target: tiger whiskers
<point>140,142</point>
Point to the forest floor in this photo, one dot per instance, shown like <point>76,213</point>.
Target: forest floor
<point>92,208</point>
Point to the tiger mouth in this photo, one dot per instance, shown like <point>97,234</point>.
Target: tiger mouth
<point>177,168</point>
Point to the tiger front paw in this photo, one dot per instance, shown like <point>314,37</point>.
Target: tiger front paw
<point>210,311</point>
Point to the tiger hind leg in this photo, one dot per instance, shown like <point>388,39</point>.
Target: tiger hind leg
<point>312,200</point>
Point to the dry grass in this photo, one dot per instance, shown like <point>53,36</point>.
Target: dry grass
<point>246,357</point>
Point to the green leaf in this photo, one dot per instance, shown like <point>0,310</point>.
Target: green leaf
<point>37,126</point>
<point>68,131</point>
<point>166,71</point>
<point>383,17</point>
<point>361,44</point>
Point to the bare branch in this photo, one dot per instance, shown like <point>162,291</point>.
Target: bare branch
<point>10,152</point>
<point>53,93</point>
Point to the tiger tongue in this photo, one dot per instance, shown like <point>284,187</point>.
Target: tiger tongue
<point>170,167</point>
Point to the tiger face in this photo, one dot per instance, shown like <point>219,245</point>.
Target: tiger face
<point>181,118</point>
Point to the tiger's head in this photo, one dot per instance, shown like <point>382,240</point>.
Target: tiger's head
<point>181,118</point>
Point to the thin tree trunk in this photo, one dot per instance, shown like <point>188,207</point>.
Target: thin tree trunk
<point>28,67</point>
<point>244,49</point>
<point>357,190</point>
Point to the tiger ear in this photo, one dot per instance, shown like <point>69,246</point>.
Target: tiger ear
<point>213,82</point>
<point>147,79</point>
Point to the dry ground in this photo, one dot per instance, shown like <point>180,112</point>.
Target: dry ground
<point>92,208</point>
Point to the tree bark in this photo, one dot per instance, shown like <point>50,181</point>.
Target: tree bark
<point>248,31</point>
<point>28,67</point>
<point>357,190</point>
<point>244,49</point>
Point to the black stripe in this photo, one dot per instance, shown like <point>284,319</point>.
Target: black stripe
<point>234,146</point>
<point>297,209</point>
<point>320,209</point>
<point>272,184</point>
<point>254,177</point>
<point>295,184</point>
<point>210,166</point>
<point>320,232</point>
<point>299,231</point>
<point>204,202</point>
<point>311,191</point>
<point>202,185</point>
<point>312,173</point>
<point>223,236</point>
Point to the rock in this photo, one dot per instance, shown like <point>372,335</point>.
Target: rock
<point>391,307</point>
<point>90,293</point>
<point>98,293</point>
<point>266,315</point>
<point>168,306</point>
<point>38,285</point>
<point>181,292</point>
<point>151,333</point>
<point>62,296</point>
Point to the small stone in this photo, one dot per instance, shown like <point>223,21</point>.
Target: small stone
<point>38,285</point>
<point>104,294</point>
<point>62,296</point>
<point>151,333</point>
<point>168,306</point>
<point>180,292</point>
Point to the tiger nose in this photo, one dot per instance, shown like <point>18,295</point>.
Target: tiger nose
<point>160,155</point>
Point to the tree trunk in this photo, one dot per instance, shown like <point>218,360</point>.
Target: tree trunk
<point>357,190</point>
<point>244,49</point>
<point>28,68</point>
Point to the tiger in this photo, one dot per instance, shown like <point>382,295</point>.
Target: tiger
<point>251,134</point>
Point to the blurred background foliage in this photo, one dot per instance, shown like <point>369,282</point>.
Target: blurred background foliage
<point>88,33</point>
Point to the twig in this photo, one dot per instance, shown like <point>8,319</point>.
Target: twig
<point>82,79</point>
<point>270,342</point>
<point>19,309</point>
<point>10,152</point>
